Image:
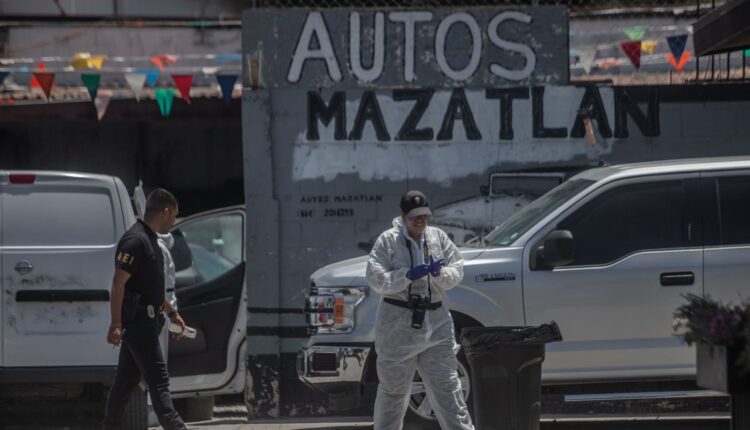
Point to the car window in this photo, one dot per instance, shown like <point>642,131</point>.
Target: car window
<point>518,224</point>
<point>58,216</point>
<point>628,219</point>
<point>734,210</point>
<point>213,245</point>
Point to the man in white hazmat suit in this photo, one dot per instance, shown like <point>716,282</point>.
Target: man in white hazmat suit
<point>166,242</point>
<point>411,266</point>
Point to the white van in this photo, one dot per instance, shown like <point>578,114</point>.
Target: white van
<point>58,234</point>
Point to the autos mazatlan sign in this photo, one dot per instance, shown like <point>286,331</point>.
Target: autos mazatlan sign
<point>469,47</point>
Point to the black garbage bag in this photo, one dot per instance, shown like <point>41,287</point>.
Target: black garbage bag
<point>506,374</point>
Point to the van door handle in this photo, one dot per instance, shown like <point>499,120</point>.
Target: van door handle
<point>677,278</point>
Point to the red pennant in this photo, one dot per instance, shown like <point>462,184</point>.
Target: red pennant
<point>45,81</point>
<point>683,60</point>
<point>633,50</point>
<point>34,83</point>
<point>183,83</point>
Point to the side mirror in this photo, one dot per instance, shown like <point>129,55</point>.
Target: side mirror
<point>556,250</point>
<point>484,190</point>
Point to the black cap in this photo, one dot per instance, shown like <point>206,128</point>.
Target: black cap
<point>414,203</point>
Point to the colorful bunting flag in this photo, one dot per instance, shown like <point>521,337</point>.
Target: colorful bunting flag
<point>633,51</point>
<point>84,60</point>
<point>183,84</point>
<point>136,82</point>
<point>163,60</point>
<point>45,81</point>
<point>3,75</point>
<point>91,81</point>
<point>649,46</point>
<point>101,102</point>
<point>209,70</point>
<point>683,60</point>
<point>677,44</point>
<point>34,82</point>
<point>164,98</point>
<point>226,83</point>
<point>225,58</point>
<point>636,32</point>
<point>586,58</point>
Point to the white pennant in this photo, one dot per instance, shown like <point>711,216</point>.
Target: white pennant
<point>209,70</point>
<point>586,58</point>
<point>136,82</point>
<point>102,102</point>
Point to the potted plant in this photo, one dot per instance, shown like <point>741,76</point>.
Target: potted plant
<point>721,333</point>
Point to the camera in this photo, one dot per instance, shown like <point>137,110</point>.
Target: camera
<point>419,306</point>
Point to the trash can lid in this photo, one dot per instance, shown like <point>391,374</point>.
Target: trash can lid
<point>518,335</point>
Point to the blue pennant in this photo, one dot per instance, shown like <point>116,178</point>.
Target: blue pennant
<point>3,75</point>
<point>225,58</point>
<point>151,75</point>
<point>677,45</point>
<point>226,83</point>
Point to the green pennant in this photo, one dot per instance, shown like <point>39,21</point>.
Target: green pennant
<point>747,52</point>
<point>636,32</point>
<point>91,80</point>
<point>164,97</point>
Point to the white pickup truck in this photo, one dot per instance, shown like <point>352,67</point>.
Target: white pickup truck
<point>607,254</point>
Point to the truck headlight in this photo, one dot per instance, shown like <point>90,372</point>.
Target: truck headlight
<point>332,309</point>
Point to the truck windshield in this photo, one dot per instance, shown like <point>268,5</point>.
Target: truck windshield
<point>510,230</point>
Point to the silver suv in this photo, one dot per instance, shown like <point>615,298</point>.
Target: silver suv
<point>607,254</point>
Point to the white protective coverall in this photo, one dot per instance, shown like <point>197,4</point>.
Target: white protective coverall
<point>400,348</point>
<point>166,242</point>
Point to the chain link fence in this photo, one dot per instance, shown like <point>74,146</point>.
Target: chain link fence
<point>597,30</point>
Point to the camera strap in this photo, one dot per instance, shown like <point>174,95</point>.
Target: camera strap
<point>426,251</point>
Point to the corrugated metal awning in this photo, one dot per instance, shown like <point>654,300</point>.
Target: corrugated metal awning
<point>724,29</point>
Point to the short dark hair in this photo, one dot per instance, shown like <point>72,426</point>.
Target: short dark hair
<point>158,200</point>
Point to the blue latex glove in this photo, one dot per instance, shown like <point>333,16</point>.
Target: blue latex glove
<point>418,272</point>
<point>435,267</point>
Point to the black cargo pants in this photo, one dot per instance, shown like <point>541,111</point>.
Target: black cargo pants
<point>141,355</point>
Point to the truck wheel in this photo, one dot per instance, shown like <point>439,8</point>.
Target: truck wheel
<point>136,412</point>
<point>193,409</point>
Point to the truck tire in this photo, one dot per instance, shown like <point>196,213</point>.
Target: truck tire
<point>420,418</point>
<point>136,412</point>
<point>193,409</point>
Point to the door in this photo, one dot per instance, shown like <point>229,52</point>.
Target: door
<point>59,234</point>
<point>728,239</point>
<point>209,260</point>
<point>637,250</point>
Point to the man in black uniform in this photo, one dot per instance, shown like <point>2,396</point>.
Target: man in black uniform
<point>138,301</point>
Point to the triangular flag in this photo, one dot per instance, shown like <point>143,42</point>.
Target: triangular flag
<point>747,52</point>
<point>164,97</point>
<point>34,82</point>
<point>3,75</point>
<point>636,32</point>
<point>45,81</point>
<point>683,60</point>
<point>151,77</point>
<point>101,102</point>
<point>633,50</point>
<point>209,70</point>
<point>136,82</point>
<point>157,62</point>
<point>649,46</point>
<point>97,61</point>
<point>80,60</point>
<point>586,58</point>
<point>226,83</point>
<point>91,81</point>
<point>183,84</point>
<point>677,44</point>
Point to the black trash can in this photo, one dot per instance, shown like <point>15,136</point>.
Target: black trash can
<point>506,374</point>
